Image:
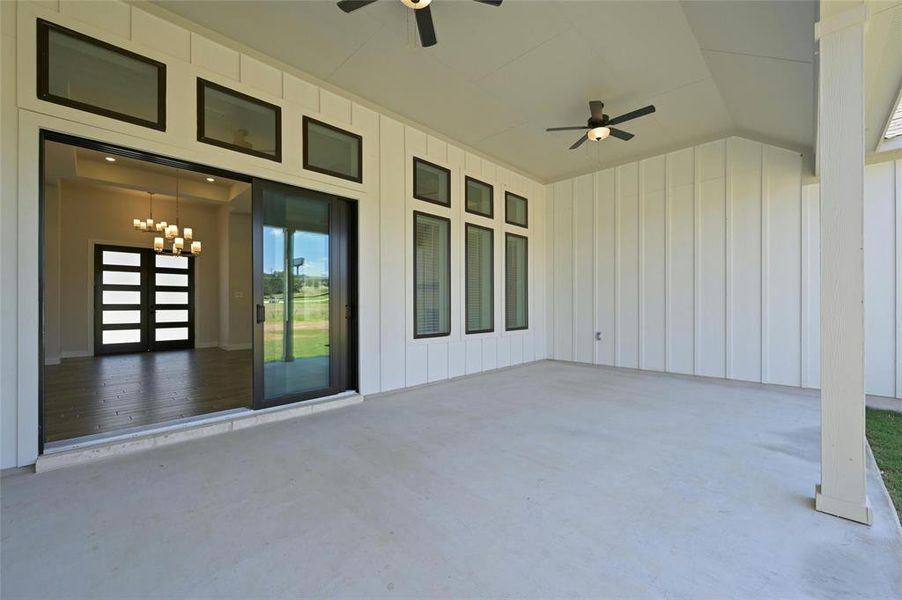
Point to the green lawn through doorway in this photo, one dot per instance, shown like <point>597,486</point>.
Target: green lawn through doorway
<point>310,329</point>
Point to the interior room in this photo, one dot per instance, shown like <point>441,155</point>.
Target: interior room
<point>129,362</point>
<point>451,299</point>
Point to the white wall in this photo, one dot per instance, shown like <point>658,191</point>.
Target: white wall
<point>389,357</point>
<point>688,262</point>
<point>882,280</point>
<point>706,261</point>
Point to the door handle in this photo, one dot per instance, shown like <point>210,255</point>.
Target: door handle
<point>261,313</point>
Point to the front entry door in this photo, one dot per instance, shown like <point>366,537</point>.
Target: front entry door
<point>143,301</point>
<point>302,294</point>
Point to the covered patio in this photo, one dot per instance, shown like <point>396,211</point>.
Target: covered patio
<point>550,479</point>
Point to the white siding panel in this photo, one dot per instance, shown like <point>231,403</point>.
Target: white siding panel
<point>504,352</point>
<point>393,219</point>
<point>605,257</point>
<point>261,76</point>
<point>627,326</point>
<point>207,54</point>
<point>879,279</point>
<point>300,92</point>
<point>652,207</point>
<point>438,362</point>
<point>583,284</point>
<point>811,285</point>
<point>744,267</point>
<point>114,17</point>
<point>563,271</point>
<point>154,32</point>
<point>417,367</point>
<point>457,359</point>
<point>710,263</point>
<point>474,356</point>
<point>680,261</point>
<point>782,267</point>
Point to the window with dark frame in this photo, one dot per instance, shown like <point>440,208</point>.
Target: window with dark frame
<point>516,290</point>
<point>85,73</point>
<point>516,210</point>
<point>229,119</point>
<point>332,151</point>
<point>478,197</point>
<point>431,182</point>
<point>480,279</point>
<point>431,275</point>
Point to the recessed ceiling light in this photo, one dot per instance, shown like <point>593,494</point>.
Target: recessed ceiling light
<point>210,179</point>
<point>110,159</point>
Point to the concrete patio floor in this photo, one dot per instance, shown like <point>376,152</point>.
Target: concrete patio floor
<point>546,480</point>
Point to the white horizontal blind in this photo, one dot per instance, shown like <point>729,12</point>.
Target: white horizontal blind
<point>515,282</point>
<point>432,275</point>
<point>479,282</point>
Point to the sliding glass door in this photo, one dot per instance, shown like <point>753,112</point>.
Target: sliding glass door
<point>302,294</point>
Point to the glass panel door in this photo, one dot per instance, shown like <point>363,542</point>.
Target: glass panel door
<point>120,297</point>
<point>301,294</point>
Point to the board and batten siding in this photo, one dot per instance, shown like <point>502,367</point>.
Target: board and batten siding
<point>706,261</point>
<point>882,280</point>
<point>389,356</point>
<point>692,263</point>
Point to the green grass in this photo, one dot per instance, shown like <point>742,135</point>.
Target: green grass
<point>884,430</point>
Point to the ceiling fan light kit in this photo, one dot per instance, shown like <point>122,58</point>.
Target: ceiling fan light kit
<point>598,127</point>
<point>598,133</point>
<point>421,10</point>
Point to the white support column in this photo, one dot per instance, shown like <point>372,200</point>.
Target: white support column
<point>842,491</point>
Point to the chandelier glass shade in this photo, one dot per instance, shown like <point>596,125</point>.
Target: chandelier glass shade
<point>164,231</point>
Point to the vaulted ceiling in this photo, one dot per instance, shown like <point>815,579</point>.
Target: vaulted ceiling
<point>499,76</point>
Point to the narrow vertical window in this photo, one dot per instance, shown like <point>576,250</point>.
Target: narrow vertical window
<point>515,282</point>
<point>431,275</point>
<point>479,279</point>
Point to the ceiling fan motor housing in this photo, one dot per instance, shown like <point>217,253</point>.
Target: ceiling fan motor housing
<point>593,123</point>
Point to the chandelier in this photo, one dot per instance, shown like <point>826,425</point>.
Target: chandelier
<point>164,231</point>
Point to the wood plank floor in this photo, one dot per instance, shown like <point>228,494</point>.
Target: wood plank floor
<point>86,396</point>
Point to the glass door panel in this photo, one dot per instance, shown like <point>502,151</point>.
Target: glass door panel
<point>296,299</point>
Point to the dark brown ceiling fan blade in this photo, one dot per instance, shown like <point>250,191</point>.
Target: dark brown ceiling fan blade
<point>596,107</point>
<point>578,142</point>
<point>352,5</point>
<point>490,2</point>
<point>574,128</point>
<point>641,112</point>
<point>425,26</point>
<point>621,134</point>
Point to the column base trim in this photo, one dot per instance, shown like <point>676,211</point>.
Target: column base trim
<point>860,513</point>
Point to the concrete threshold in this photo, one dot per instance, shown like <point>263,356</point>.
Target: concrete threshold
<point>92,448</point>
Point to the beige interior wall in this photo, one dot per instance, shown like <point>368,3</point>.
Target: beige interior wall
<point>89,215</point>
<point>240,299</point>
<point>51,274</point>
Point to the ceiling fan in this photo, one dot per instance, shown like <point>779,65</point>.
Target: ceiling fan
<point>599,124</point>
<point>421,10</point>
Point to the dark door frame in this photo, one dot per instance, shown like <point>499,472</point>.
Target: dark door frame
<point>343,293</point>
<point>46,135</point>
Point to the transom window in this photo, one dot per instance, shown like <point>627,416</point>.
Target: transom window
<point>332,151</point>
<point>479,197</point>
<point>81,72</point>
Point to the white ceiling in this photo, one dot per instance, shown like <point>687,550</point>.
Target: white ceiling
<point>499,76</point>
<point>63,162</point>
